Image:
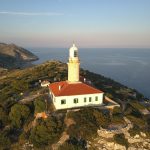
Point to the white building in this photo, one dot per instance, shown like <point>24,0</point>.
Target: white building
<point>74,93</point>
<point>45,83</point>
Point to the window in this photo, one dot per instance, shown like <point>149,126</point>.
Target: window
<point>84,99</point>
<point>63,101</point>
<point>90,99</point>
<point>75,100</point>
<point>75,54</point>
<point>96,98</point>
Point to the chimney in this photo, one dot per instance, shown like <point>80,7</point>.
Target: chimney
<point>59,87</point>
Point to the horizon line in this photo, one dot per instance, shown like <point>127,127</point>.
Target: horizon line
<point>91,47</point>
<point>31,13</point>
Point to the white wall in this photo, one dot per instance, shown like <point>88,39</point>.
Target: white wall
<point>70,101</point>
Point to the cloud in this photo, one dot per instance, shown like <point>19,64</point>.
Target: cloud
<point>31,13</point>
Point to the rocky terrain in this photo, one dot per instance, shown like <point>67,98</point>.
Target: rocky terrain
<point>13,56</point>
<point>105,139</point>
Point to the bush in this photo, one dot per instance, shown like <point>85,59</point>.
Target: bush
<point>136,105</point>
<point>46,132</point>
<point>39,105</point>
<point>20,85</point>
<point>120,139</point>
<point>87,119</point>
<point>4,141</point>
<point>135,130</point>
<point>117,119</point>
<point>117,116</point>
<point>136,120</point>
<point>3,118</point>
<point>102,119</point>
<point>133,111</point>
<point>23,138</point>
<point>18,115</point>
<point>147,132</point>
<point>67,146</point>
<point>117,110</point>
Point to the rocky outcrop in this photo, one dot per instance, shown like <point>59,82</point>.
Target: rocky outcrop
<point>12,56</point>
<point>105,140</point>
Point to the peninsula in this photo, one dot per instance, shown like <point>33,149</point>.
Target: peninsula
<point>13,56</point>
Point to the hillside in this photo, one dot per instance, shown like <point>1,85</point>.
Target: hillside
<point>22,98</point>
<point>13,56</point>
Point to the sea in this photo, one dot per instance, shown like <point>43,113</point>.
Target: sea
<point>129,66</point>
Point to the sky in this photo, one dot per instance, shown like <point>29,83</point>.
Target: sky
<point>88,23</point>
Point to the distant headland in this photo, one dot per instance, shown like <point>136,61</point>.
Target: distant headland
<point>13,56</point>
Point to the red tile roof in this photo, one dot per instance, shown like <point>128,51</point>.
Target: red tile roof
<point>68,89</point>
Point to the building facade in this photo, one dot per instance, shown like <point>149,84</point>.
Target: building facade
<point>74,93</point>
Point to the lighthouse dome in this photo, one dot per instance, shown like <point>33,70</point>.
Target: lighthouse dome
<point>73,47</point>
<point>73,51</point>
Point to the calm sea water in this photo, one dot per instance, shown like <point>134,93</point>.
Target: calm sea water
<point>130,67</point>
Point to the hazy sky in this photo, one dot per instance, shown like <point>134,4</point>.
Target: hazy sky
<point>90,23</point>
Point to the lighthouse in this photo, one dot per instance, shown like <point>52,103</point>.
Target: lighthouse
<point>73,65</point>
<point>74,93</point>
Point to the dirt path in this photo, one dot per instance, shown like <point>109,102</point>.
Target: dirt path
<point>29,98</point>
<point>64,137</point>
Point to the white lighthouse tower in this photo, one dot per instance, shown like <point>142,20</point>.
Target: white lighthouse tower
<point>73,65</point>
<point>74,93</point>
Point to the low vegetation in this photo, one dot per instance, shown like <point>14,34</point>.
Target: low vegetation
<point>85,120</point>
<point>46,132</point>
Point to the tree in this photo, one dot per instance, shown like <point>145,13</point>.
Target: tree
<point>46,132</point>
<point>39,105</point>
<point>102,119</point>
<point>23,137</point>
<point>3,117</point>
<point>120,139</point>
<point>117,111</point>
<point>87,119</point>
<point>117,116</point>
<point>4,141</point>
<point>135,130</point>
<point>20,85</point>
<point>19,114</point>
<point>67,146</point>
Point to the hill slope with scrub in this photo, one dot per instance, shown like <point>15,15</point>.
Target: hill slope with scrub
<point>23,99</point>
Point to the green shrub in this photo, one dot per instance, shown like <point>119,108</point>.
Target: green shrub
<point>102,119</point>
<point>136,120</point>
<point>136,105</point>
<point>67,146</point>
<point>20,85</point>
<point>39,105</point>
<point>135,130</point>
<point>120,139</point>
<point>18,115</point>
<point>117,110</point>
<point>23,138</point>
<point>147,132</point>
<point>87,119</point>
<point>3,118</point>
<point>46,132</point>
<point>4,141</point>
<point>117,119</point>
